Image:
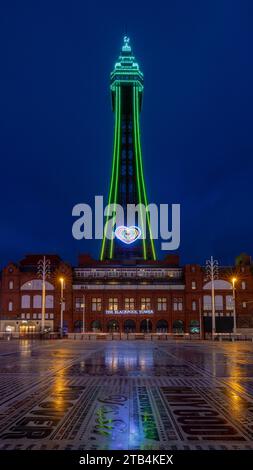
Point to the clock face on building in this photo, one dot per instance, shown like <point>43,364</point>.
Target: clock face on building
<point>127,235</point>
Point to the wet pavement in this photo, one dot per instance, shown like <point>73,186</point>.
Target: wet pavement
<point>126,395</point>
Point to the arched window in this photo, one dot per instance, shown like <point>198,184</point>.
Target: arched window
<point>96,325</point>
<point>219,284</point>
<point>37,301</point>
<point>178,326</point>
<point>25,301</point>
<point>112,325</point>
<point>146,326</point>
<point>207,302</point>
<point>162,326</point>
<point>36,284</point>
<point>129,326</point>
<point>49,301</point>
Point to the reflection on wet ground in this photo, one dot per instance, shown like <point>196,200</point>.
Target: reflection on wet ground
<point>126,395</point>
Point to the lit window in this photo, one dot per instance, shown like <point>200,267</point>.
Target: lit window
<point>25,301</point>
<point>129,303</point>
<point>78,303</point>
<point>194,285</point>
<point>113,303</point>
<point>145,303</point>
<point>49,301</point>
<point>194,305</point>
<point>178,304</point>
<point>37,301</point>
<point>244,304</point>
<point>10,306</point>
<point>34,316</point>
<point>243,285</point>
<point>229,302</point>
<point>11,284</point>
<point>207,302</point>
<point>218,302</point>
<point>51,315</point>
<point>96,304</point>
<point>28,316</point>
<point>162,304</point>
<point>23,316</point>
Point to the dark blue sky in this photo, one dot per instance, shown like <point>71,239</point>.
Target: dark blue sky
<point>56,123</point>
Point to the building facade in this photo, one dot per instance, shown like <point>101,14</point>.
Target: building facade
<point>127,290</point>
<point>109,296</point>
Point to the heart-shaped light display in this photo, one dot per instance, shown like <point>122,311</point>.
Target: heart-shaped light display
<point>127,234</point>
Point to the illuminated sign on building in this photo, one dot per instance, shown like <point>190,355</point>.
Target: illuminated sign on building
<point>127,234</point>
<point>129,312</point>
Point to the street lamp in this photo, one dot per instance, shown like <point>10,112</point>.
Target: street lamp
<point>43,273</point>
<point>212,268</point>
<point>62,304</point>
<point>83,306</point>
<point>234,279</point>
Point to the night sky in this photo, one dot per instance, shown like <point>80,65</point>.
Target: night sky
<point>56,123</point>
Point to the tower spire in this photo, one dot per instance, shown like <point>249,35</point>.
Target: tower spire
<point>126,47</point>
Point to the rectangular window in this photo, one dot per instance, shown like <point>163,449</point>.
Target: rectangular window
<point>34,316</point>
<point>28,316</point>
<point>96,304</point>
<point>194,305</point>
<point>178,304</point>
<point>145,303</point>
<point>25,301</point>
<point>243,285</point>
<point>10,306</point>
<point>162,304</point>
<point>51,315</point>
<point>23,316</point>
<point>193,285</point>
<point>229,302</point>
<point>129,303</point>
<point>113,303</point>
<point>78,303</point>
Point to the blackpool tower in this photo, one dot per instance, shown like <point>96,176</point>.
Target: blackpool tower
<point>127,184</point>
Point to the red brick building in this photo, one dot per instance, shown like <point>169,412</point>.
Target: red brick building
<point>132,296</point>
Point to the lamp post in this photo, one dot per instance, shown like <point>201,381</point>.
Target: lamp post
<point>212,274</point>
<point>234,306</point>
<point>62,304</point>
<point>200,325</point>
<point>43,273</point>
<point>83,305</point>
